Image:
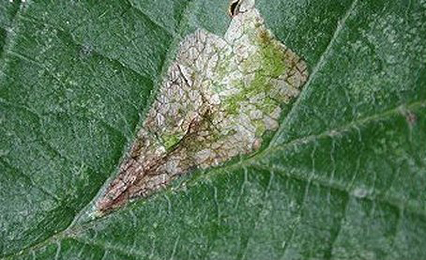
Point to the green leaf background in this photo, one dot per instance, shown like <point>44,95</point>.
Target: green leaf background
<point>343,178</point>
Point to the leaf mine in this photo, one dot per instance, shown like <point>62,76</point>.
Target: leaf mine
<point>217,100</point>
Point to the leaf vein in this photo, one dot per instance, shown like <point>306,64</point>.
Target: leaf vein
<point>318,66</point>
<point>393,203</point>
<point>107,246</point>
<point>31,181</point>
<point>149,18</point>
<point>335,131</point>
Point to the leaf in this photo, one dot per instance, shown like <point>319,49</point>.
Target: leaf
<point>343,177</point>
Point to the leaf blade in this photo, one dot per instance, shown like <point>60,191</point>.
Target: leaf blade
<point>300,190</point>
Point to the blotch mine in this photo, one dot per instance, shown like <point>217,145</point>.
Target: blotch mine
<point>218,99</point>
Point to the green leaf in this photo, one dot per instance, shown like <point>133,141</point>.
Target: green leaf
<point>343,178</point>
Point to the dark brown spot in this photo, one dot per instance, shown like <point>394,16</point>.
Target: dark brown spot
<point>411,118</point>
<point>234,7</point>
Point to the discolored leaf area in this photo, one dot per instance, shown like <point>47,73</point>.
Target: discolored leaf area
<point>343,177</point>
<point>218,100</point>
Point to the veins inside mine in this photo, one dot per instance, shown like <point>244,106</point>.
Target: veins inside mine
<point>217,100</point>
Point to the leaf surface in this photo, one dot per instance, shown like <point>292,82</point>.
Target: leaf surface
<point>343,177</point>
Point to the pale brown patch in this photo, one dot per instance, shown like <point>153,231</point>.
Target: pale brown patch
<point>217,100</point>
